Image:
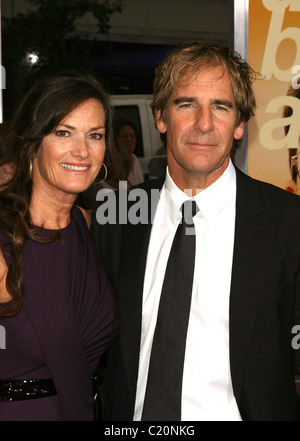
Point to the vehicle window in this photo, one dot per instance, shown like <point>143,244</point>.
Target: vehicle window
<point>131,113</point>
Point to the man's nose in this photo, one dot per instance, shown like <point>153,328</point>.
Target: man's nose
<point>204,120</point>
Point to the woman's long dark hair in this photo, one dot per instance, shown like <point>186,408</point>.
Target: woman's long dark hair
<point>44,107</point>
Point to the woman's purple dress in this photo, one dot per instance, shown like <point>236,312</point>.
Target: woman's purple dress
<point>69,318</point>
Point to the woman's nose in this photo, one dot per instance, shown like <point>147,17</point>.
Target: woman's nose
<point>80,148</point>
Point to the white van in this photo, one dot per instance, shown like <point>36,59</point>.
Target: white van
<point>136,108</point>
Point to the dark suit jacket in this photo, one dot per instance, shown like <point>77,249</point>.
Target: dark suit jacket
<point>265,292</point>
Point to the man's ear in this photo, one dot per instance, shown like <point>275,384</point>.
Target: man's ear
<point>239,130</point>
<point>160,122</point>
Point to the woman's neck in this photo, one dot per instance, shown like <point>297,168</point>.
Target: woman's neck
<point>50,213</point>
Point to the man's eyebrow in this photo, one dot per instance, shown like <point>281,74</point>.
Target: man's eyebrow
<point>184,99</point>
<point>224,102</point>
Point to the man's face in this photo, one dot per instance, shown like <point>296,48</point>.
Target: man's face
<point>201,124</point>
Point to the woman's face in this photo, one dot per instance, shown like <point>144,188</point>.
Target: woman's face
<point>127,137</point>
<point>6,172</point>
<point>69,158</point>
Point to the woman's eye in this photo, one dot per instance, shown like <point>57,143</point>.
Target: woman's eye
<point>62,133</point>
<point>97,136</point>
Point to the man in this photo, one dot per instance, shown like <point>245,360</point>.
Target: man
<point>238,355</point>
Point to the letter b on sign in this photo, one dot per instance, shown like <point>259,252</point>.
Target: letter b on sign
<point>276,35</point>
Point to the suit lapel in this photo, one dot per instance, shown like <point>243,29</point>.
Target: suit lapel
<point>253,233</point>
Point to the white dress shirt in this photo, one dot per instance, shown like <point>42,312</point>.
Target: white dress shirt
<point>207,393</point>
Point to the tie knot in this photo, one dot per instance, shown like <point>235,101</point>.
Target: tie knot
<point>189,209</point>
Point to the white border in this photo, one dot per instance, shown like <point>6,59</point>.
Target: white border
<point>1,69</point>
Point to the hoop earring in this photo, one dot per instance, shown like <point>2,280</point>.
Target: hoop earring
<point>30,169</point>
<point>100,182</point>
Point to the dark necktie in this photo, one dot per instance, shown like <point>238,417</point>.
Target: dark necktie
<point>164,384</point>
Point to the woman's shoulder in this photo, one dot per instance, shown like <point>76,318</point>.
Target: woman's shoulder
<point>86,214</point>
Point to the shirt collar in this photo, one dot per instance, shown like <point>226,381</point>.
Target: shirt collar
<point>211,201</point>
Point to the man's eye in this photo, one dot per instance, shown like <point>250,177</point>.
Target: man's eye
<point>221,108</point>
<point>186,106</point>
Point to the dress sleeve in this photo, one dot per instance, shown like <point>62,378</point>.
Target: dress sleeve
<point>93,304</point>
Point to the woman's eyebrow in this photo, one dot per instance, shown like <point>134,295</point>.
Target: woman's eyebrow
<point>74,128</point>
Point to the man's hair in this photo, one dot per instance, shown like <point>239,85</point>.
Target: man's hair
<point>189,59</point>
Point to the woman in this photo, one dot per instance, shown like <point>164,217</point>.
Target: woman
<point>56,304</point>
<point>293,153</point>
<point>125,144</point>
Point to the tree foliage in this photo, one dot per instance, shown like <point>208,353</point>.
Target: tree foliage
<point>48,29</point>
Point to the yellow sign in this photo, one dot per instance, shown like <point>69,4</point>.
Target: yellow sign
<point>274,51</point>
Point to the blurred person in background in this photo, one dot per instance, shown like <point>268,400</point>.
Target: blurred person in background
<point>125,136</point>
<point>292,184</point>
<point>6,169</point>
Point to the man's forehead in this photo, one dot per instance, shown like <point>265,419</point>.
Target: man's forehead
<point>206,79</point>
<point>188,75</point>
